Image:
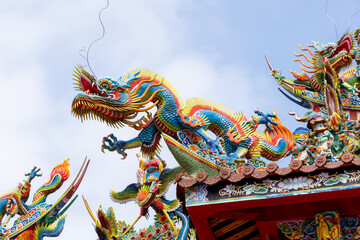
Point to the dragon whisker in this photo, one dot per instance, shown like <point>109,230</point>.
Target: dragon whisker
<point>307,49</point>
<point>306,70</point>
<point>303,55</point>
<point>298,60</point>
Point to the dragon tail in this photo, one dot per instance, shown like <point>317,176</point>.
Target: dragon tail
<point>184,232</point>
<point>277,142</point>
<point>44,230</point>
<point>50,230</point>
<point>58,175</point>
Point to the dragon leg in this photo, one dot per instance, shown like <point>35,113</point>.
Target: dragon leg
<point>213,144</point>
<point>241,152</point>
<point>58,176</point>
<point>148,139</point>
<point>111,143</point>
<point>265,118</point>
<point>237,156</point>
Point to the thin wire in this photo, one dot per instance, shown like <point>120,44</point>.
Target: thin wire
<point>102,35</point>
<point>337,37</point>
<point>83,49</point>
<point>356,13</point>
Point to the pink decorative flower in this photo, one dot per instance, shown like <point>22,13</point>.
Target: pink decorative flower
<point>133,238</point>
<point>165,227</point>
<point>157,231</point>
<point>142,234</point>
<point>169,234</point>
<point>296,183</point>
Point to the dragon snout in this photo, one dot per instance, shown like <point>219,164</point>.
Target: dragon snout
<point>88,85</point>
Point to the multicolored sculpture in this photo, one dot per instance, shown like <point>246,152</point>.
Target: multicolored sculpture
<point>118,102</point>
<point>331,96</point>
<point>325,84</point>
<point>328,225</point>
<point>153,182</point>
<point>38,219</point>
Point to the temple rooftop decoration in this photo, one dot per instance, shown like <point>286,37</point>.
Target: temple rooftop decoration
<point>230,186</point>
<point>251,204</point>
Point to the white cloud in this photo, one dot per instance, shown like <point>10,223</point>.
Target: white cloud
<point>39,47</point>
<point>37,127</point>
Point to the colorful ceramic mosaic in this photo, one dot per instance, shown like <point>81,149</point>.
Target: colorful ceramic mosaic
<point>328,225</point>
<point>273,187</point>
<point>39,218</point>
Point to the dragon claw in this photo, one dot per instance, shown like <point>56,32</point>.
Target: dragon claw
<point>111,143</point>
<point>123,154</point>
<point>266,118</point>
<point>34,173</point>
<point>103,148</point>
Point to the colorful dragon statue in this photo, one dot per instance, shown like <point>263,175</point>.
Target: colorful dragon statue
<point>108,228</point>
<point>153,182</point>
<point>326,86</point>
<point>331,96</point>
<point>118,102</point>
<point>38,219</point>
<point>13,202</point>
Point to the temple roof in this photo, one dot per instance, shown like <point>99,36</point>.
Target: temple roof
<point>272,169</point>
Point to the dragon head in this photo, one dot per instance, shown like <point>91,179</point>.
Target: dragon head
<point>326,60</point>
<point>111,101</point>
<point>332,56</point>
<point>324,63</point>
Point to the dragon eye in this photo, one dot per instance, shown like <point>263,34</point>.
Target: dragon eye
<point>106,84</point>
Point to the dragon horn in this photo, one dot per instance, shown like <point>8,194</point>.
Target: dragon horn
<point>298,118</point>
<point>267,61</point>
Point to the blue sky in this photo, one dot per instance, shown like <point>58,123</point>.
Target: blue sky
<point>209,49</point>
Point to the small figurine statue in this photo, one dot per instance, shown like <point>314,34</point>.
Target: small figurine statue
<point>149,170</point>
